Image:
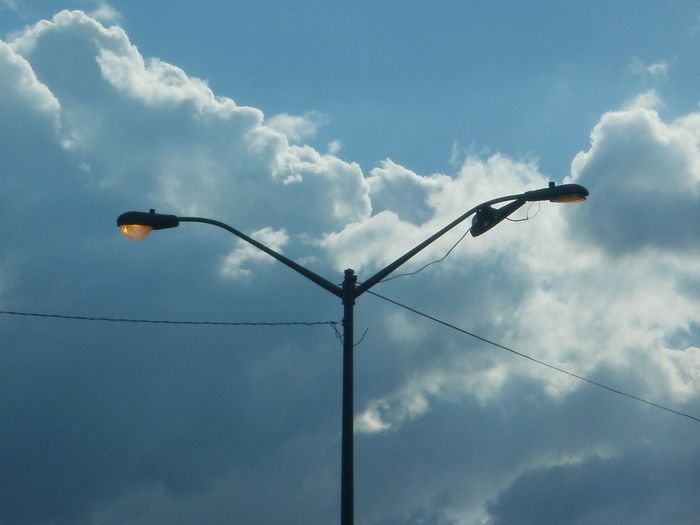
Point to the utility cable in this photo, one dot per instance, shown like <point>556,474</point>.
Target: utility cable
<point>161,321</point>
<point>334,325</point>
<point>538,361</point>
<point>430,263</point>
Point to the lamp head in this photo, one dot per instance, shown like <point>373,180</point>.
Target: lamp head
<point>138,225</point>
<point>554,193</point>
<point>486,217</point>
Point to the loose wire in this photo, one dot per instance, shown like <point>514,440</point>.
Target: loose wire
<point>527,214</point>
<point>526,218</point>
<point>430,263</point>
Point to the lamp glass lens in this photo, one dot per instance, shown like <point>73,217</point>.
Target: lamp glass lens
<point>569,198</point>
<point>135,231</point>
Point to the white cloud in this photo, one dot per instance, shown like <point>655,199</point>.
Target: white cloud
<point>402,191</point>
<point>655,70</point>
<point>334,147</point>
<point>409,207</point>
<point>645,169</point>
<point>20,86</point>
<point>105,13</point>
<point>233,266</point>
<point>647,100</point>
<point>225,146</point>
<point>298,128</point>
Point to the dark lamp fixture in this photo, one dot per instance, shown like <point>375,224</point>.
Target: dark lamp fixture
<point>486,216</point>
<point>563,193</point>
<point>137,225</point>
<point>569,198</point>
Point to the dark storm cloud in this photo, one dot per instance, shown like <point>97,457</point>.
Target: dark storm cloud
<point>644,488</point>
<point>644,175</point>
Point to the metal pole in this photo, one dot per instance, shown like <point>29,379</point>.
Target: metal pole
<point>346,470</point>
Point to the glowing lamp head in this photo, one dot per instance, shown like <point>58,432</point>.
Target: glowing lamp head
<point>554,193</point>
<point>573,197</point>
<point>137,224</point>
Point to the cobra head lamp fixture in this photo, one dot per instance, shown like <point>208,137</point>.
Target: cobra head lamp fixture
<point>486,217</point>
<point>554,193</point>
<point>137,224</point>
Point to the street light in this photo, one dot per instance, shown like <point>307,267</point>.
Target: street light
<point>138,225</point>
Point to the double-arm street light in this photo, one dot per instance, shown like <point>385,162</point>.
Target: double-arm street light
<point>137,225</point>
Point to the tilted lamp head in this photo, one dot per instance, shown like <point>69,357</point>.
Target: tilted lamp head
<point>138,225</point>
<point>554,193</point>
<point>486,217</point>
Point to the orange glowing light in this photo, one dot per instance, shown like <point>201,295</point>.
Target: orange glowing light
<point>572,197</point>
<point>136,232</point>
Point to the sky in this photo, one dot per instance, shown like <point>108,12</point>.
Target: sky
<point>342,135</point>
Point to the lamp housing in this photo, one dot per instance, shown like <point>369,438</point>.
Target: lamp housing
<point>554,193</point>
<point>138,225</point>
<point>486,217</point>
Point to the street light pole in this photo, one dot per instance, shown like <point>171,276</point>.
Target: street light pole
<point>138,225</point>
<point>347,467</point>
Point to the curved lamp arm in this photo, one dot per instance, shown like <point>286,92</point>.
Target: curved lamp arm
<point>381,274</point>
<point>313,276</point>
<point>137,225</point>
<point>487,217</point>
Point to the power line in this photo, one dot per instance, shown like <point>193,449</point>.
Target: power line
<point>334,325</point>
<point>169,322</point>
<point>539,361</point>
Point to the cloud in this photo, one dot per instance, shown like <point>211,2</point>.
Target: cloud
<point>245,253</point>
<point>20,87</point>
<point>298,128</point>
<point>648,171</point>
<point>656,70</point>
<point>126,422</point>
<point>597,491</point>
<point>409,207</point>
<point>232,146</point>
<point>106,14</point>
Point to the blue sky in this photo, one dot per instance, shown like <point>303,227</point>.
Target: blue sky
<point>342,135</point>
